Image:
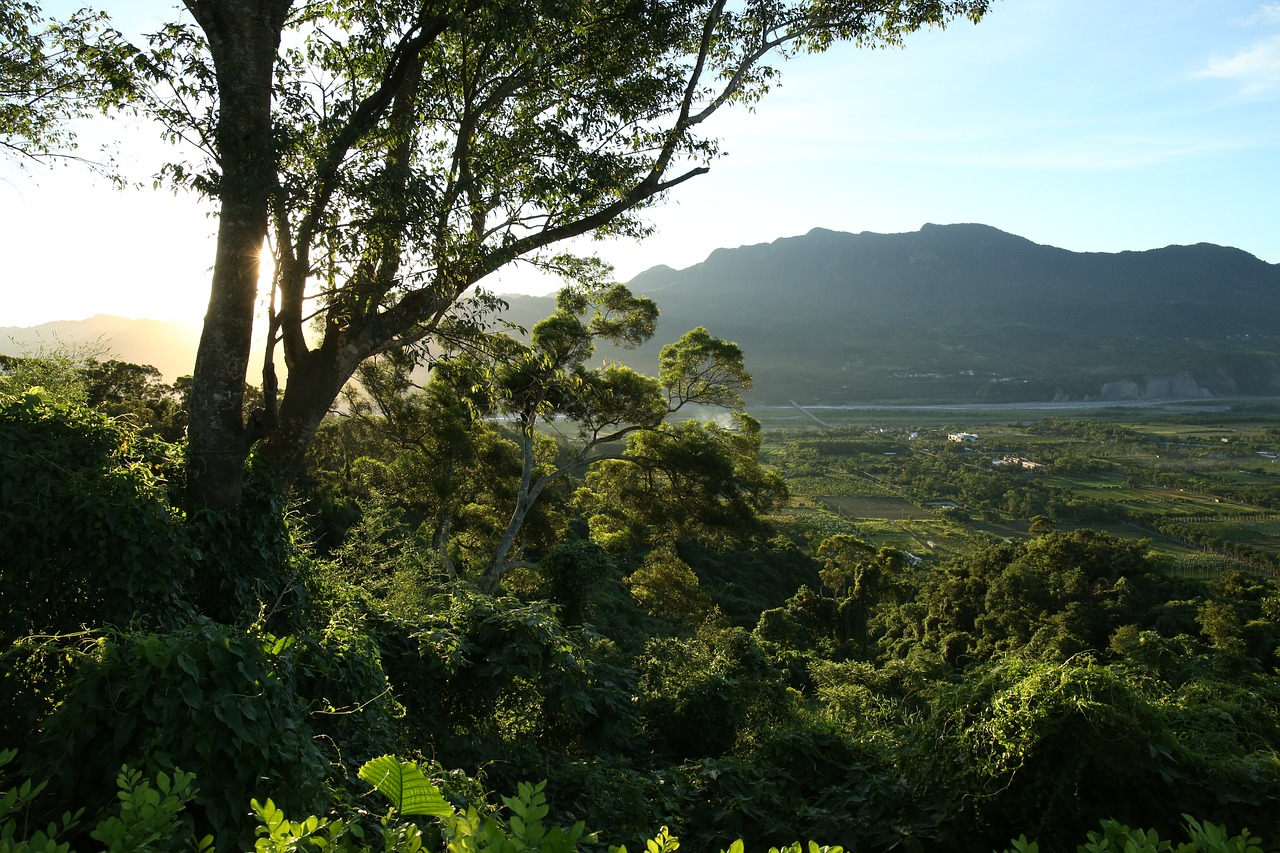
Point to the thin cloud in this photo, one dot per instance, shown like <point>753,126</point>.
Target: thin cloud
<point>1268,13</point>
<point>1256,69</point>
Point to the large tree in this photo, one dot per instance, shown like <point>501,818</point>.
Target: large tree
<point>398,152</point>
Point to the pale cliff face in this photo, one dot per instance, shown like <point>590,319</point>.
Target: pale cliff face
<point>1183,386</point>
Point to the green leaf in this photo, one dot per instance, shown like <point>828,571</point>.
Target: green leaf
<point>403,783</point>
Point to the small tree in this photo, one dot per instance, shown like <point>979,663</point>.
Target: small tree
<point>545,386</point>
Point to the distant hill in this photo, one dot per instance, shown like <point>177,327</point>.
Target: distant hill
<point>167,346</point>
<point>949,313</point>
<point>968,313</point>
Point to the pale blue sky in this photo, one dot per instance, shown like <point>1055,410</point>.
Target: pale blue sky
<point>1094,125</point>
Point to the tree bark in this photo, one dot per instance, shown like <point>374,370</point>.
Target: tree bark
<point>314,382</point>
<point>244,37</point>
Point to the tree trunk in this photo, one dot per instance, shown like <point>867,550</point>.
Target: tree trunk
<point>315,380</point>
<point>244,36</point>
<point>497,566</point>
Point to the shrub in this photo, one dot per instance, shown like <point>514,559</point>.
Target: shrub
<point>87,538</point>
<point>220,701</point>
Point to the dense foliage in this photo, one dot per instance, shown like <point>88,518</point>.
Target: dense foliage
<point>698,671</point>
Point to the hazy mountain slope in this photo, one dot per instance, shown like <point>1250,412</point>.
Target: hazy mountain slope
<point>168,346</point>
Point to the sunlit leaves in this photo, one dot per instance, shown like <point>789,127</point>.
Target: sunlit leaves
<point>844,559</point>
<point>562,339</point>
<point>617,396</point>
<point>679,480</point>
<point>403,783</point>
<point>700,368</point>
<point>624,319</point>
<point>666,586</point>
<point>54,71</point>
<point>548,378</point>
<point>488,382</point>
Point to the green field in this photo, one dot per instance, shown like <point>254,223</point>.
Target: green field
<point>1160,474</point>
<point>875,507</point>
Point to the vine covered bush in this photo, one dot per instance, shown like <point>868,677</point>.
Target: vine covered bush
<point>89,538</point>
<point>86,525</point>
<point>220,702</point>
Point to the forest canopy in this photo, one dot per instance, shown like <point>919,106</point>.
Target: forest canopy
<point>657,662</point>
<point>231,613</point>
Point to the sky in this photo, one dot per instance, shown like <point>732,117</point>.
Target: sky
<point>1092,125</point>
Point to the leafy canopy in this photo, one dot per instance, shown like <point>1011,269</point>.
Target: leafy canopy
<point>397,153</point>
<point>54,71</point>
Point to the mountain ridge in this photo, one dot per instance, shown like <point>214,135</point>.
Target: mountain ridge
<point>167,345</point>
<point>970,313</point>
<point>949,313</point>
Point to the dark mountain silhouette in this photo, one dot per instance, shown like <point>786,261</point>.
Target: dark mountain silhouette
<point>970,313</point>
<point>949,313</point>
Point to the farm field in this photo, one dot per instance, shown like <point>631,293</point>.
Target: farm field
<point>1200,484</point>
<point>875,507</point>
<point>933,416</point>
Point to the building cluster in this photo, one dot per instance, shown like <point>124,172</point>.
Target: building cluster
<point>1018,462</point>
